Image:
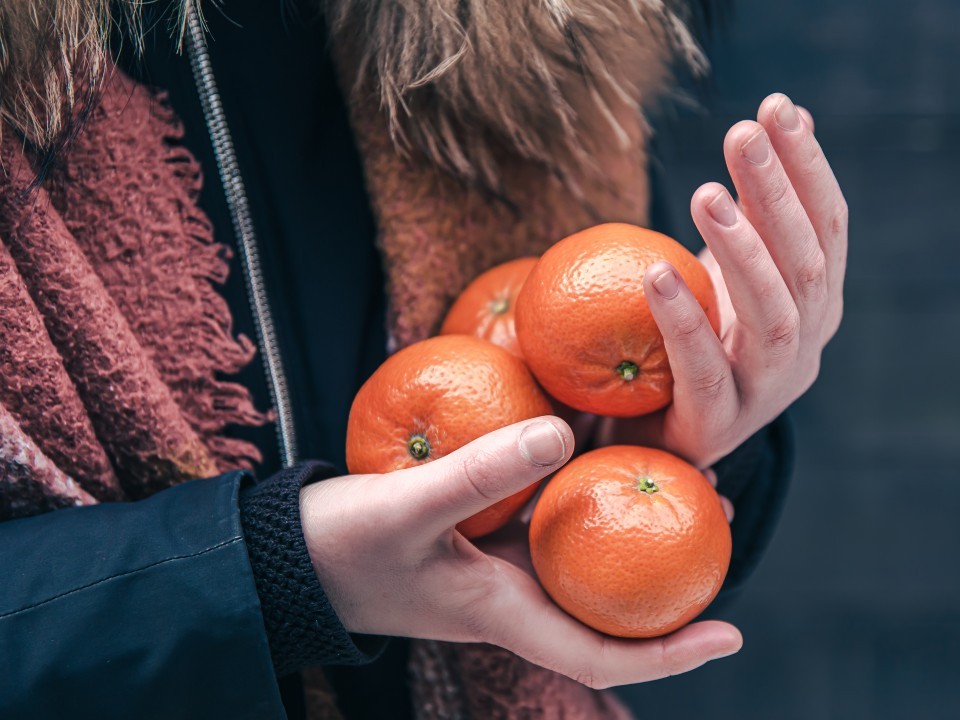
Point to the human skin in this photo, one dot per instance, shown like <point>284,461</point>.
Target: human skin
<point>386,551</point>
<point>777,261</point>
<point>385,547</point>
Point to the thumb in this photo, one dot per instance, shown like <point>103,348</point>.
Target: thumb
<point>488,470</point>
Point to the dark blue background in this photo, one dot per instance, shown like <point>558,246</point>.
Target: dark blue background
<point>855,610</point>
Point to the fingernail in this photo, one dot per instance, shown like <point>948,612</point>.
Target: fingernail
<point>542,444</point>
<point>786,115</point>
<point>722,209</point>
<point>666,284</point>
<point>807,118</point>
<point>757,149</point>
<point>727,653</point>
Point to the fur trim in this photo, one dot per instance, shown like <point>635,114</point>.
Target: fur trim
<point>458,79</point>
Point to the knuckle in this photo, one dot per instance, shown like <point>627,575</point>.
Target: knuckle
<point>593,679</point>
<point>713,384</point>
<point>778,195</point>
<point>484,473</point>
<point>669,666</point>
<point>839,219</point>
<point>586,677</point>
<point>781,337</point>
<point>771,290</point>
<point>754,256</point>
<point>688,326</point>
<point>592,674</point>
<point>811,279</point>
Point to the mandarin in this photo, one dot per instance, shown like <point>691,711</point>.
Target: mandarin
<point>630,541</point>
<point>486,306</point>
<point>585,328</point>
<point>434,397</point>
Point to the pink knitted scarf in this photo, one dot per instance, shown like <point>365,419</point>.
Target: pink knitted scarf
<point>114,335</point>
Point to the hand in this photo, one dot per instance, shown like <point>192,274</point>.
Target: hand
<point>386,551</point>
<point>777,263</point>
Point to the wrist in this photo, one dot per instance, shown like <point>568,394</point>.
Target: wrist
<point>302,625</point>
<point>319,537</point>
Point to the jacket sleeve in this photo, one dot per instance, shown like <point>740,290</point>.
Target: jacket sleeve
<point>755,477</point>
<point>136,610</point>
<point>302,627</point>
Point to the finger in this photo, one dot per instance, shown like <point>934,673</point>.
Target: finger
<point>757,290</point>
<point>807,118</point>
<point>727,507</point>
<point>533,627</point>
<point>711,475</point>
<point>773,208</point>
<point>725,309</point>
<point>813,181</point>
<point>491,468</point>
<point>701,371</point>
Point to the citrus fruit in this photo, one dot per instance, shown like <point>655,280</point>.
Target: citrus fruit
<point>432,398</point>
<point>486,307</point>
<point>630,541</point>
<point>585,328</point>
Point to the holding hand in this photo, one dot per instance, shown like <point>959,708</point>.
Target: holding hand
<point>777,263</point>
<point>386,551</point>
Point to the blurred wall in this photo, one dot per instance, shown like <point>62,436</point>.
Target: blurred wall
<point>855,610</point>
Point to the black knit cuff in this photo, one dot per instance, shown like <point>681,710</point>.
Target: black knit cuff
<point>302,627</point>
<point>755,477</point>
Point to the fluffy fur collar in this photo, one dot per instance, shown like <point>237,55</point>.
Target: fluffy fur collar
<point>460,81</point>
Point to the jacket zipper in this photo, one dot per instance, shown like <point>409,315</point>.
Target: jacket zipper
<point>239,208</point>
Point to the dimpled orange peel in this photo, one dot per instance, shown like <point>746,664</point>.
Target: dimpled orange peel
<point>434,397</point>
<point>585,328</point>
<point>630,541</point>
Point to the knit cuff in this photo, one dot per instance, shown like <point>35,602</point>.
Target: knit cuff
<point>302,627</point>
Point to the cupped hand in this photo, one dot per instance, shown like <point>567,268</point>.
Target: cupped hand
<point>387,553</point>
<point>777,261</point>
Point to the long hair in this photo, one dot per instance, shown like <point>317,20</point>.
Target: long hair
<point>54,57</point>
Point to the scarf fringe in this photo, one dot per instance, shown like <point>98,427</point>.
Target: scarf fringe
<point>209,402</point>
<point>183,324</point>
